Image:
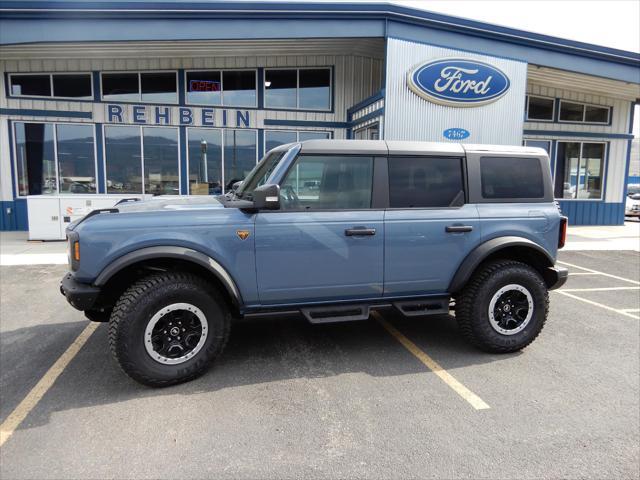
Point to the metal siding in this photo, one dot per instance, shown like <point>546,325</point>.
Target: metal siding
<point>409,117</point>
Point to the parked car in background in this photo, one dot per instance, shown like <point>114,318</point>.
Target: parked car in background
<point>632,205</point>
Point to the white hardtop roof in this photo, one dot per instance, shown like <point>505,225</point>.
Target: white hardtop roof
<point>398,147</point>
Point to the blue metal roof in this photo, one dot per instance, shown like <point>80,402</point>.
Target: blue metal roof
<point>91,20</point>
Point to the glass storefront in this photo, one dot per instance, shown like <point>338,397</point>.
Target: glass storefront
<point>123,159</point>
<point>55,158</point>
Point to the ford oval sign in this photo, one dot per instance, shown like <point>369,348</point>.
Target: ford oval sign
<point>456,133</point>
<point>458,82</point>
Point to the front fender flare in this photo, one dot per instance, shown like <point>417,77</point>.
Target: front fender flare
<point>482,251</point>
<point>182,253</point>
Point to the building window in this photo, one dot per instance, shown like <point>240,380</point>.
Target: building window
<point>420,182</point>
<point>218,158</point>
<point>579,170</point>
<point>76,158</point>
<point>583,113</point>
<point>150,87</point>
<point>300,89</point>
<point>205,161</point>
<point>328,182</point>
<point>544,144</point>
<point>123,159</point>
<point>232,88</point>
<point>55,158</point>
<point>57,85</point>
<point>370,132</point>
<point>160,160</point>
<point>142,160</point>
<point>240,155</point>
<point>540,108</point>
<point>275,138</point>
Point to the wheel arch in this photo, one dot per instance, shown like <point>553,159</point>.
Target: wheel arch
<point>159,257</point>
<point>512,248</point>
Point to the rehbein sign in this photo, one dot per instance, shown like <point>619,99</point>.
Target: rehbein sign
<point>458,82</point>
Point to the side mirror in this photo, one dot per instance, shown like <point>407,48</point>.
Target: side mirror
<point>236,186</point>
<point>267,197</point>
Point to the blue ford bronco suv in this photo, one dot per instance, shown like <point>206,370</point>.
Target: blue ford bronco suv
<point>330,229</point>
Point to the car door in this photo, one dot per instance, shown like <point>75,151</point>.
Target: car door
<point>429,228</point>
<point>326,242</point>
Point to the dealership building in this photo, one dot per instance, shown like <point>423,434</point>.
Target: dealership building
<point>101,101</point>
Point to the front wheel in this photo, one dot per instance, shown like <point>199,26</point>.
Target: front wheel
<point>504,306</point>
<point>168,328</point>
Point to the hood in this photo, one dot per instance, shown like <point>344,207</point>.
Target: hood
<point>170,202</point>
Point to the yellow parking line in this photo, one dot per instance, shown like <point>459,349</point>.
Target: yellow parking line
<point>475,401</point>
<point>599,273</point>
<point>16,417</point>
<point>591,302</point>
<point>602,289</point>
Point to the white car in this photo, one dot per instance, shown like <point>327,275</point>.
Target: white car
<point>632,207</point>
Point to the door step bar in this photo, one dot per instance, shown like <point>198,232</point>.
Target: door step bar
<point>342,313</point>
<point>427,306</point>
<point>349,313</point>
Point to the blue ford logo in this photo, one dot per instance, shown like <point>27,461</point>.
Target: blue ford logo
<point>458,82</point>
<point>456,133</point>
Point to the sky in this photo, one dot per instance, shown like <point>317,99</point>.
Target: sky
<point>611,23</point>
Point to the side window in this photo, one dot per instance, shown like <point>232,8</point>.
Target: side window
<point>509,177</point>
<point>328,182</point>
<point>419,182</point>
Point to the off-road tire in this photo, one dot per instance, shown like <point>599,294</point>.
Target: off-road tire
<point>472,305</point>
<point>144,298</point>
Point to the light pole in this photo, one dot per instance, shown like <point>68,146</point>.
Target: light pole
<point>204,174</point>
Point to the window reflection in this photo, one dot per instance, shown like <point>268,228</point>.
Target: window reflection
<point>76,166</point>
<point>123,159</point>
<point>161,161</point>
<point>205,161</point>
<point>240,154</point>
<point>35,158</point>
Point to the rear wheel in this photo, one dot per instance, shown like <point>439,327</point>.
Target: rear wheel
<point>504,306</point>
<point>168,328</point>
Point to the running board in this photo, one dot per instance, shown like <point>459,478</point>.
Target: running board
<point>427,306</point>
<point>343,313</point>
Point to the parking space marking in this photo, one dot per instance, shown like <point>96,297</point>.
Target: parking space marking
<point>591,302</point>
<point>635,282</point>
<point>475,401</point>
<point>602,289</point>
<point>16,417</point>
<point>630,310</point>
<point>572,274</point>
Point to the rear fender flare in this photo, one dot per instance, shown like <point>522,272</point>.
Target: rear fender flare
<point>482,251</point>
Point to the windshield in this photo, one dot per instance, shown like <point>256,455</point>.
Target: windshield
<point>259,175</point>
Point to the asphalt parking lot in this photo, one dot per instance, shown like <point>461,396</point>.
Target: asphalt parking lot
<point>288,399</point>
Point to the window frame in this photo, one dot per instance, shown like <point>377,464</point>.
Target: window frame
<point>55,150</point>
<point>609,108</point>
<point>465,187</point>
<point>91,98</point>
<point>553,112</point>
<point>222,130</point>
<point>140,127</point>
<point>605,162</point>
<point>222,103</point>
<point>139,73</point>
<point>297,107</point>
<point>297,132</point>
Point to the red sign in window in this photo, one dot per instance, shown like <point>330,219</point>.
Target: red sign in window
<point>204,86</point>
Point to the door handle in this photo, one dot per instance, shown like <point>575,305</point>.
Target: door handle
<point>458,228</point>
<point>359,232</point>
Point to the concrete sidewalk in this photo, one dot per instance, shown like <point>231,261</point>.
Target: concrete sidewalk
<point>15,249</point>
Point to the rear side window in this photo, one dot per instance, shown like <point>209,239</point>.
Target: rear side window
<point>416,182</point>
<point>509,177</point>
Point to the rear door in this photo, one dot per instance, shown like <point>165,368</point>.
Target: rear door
<point>429,227</point>
<point>326,242</point>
